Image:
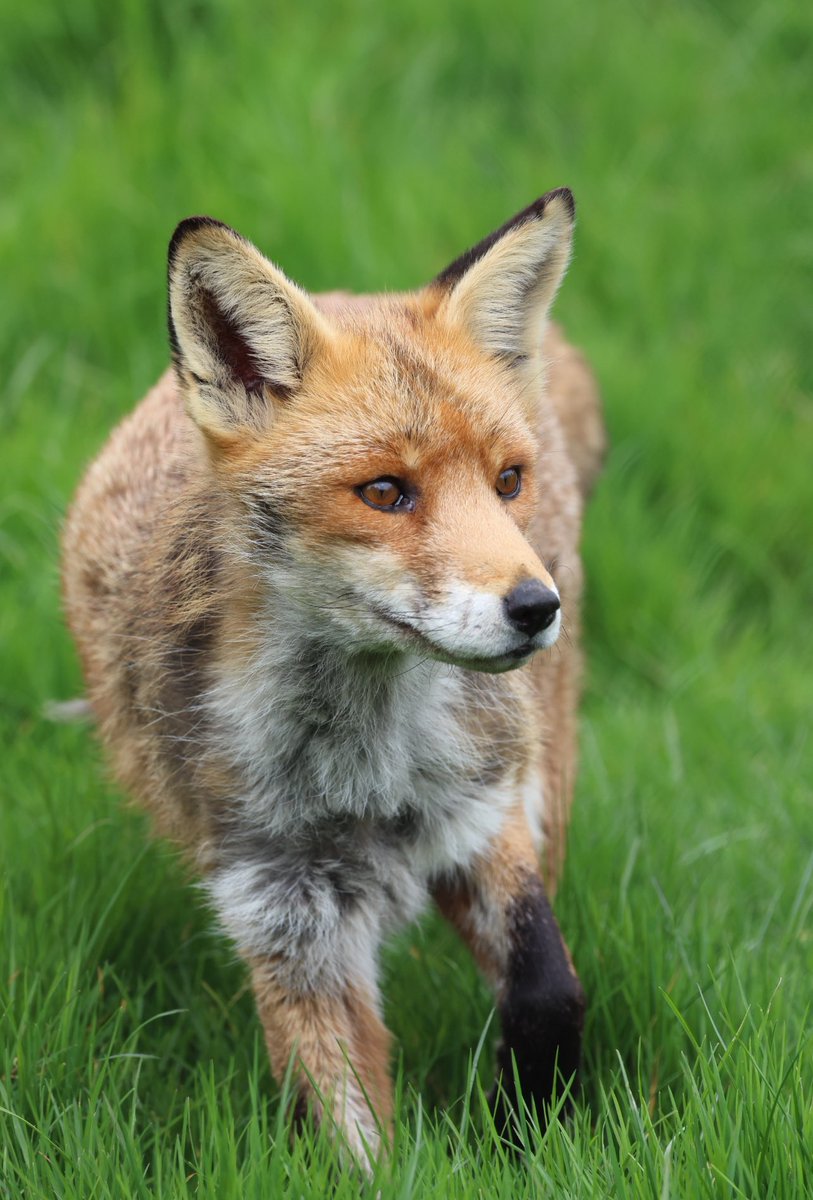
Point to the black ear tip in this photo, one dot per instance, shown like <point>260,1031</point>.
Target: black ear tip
<point>564,194</point>
<point>189,226</point>
<point>183,230</point>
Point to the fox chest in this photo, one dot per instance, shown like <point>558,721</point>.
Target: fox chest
<point>345,811</point>
<point>410,758</point>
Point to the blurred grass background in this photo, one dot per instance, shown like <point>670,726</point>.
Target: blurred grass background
<point>365,145</point>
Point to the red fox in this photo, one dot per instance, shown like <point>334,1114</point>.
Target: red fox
<point>318,581</point>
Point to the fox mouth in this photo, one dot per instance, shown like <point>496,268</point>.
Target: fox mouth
<point>505,661</point>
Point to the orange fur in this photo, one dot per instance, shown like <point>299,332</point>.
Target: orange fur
<point>348,1068</point>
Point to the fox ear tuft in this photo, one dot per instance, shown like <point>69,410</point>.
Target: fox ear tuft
<point>241,333</point>
<point>501,290</point>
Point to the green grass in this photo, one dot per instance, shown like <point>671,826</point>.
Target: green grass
<point>365,145</point>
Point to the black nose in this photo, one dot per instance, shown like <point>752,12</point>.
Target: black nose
<point>531,606</point>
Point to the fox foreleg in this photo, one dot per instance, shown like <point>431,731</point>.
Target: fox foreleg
<point>308,922</point>
<point>339,1050</point>
<point>501,911</point>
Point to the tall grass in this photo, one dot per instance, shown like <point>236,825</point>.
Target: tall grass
<point>365,145</point>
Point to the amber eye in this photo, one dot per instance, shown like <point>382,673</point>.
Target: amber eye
<point>384,493</point>
<point>509,482</point>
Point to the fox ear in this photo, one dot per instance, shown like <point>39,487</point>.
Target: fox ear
<point>501,290</point>
<point>242,334</point>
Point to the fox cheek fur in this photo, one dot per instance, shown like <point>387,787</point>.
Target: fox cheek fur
<point>307,579</point>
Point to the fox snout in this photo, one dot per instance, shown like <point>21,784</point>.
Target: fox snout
<point>491,629</point>
<point>498,604</point>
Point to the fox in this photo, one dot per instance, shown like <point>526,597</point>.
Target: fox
<point>324,582</point>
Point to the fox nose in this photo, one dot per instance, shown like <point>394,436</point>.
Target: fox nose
<point>531,606</point>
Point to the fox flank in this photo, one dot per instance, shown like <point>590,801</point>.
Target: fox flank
<point>324,582</point>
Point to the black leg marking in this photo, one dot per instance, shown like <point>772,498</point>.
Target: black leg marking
<point>542,1008</point>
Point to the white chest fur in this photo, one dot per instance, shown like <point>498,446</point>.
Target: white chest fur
<point>356,785</point>
<point>312,737</point>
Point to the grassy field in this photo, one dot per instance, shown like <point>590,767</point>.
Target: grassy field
<point>365,145</point>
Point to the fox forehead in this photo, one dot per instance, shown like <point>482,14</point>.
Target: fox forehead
<point>396,394</point>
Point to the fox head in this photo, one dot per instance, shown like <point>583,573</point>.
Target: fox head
<point>380,457</point>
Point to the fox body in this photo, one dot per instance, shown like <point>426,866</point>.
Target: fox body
<point>308,578</point>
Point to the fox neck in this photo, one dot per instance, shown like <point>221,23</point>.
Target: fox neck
<point>314,729</point>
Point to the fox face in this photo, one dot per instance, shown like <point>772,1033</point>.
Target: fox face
<point>382,472</point>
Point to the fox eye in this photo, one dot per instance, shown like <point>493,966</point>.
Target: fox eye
<point>509,483</point>
<point>385,493</point>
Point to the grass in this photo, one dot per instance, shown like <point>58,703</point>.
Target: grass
<point>365,145</point>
